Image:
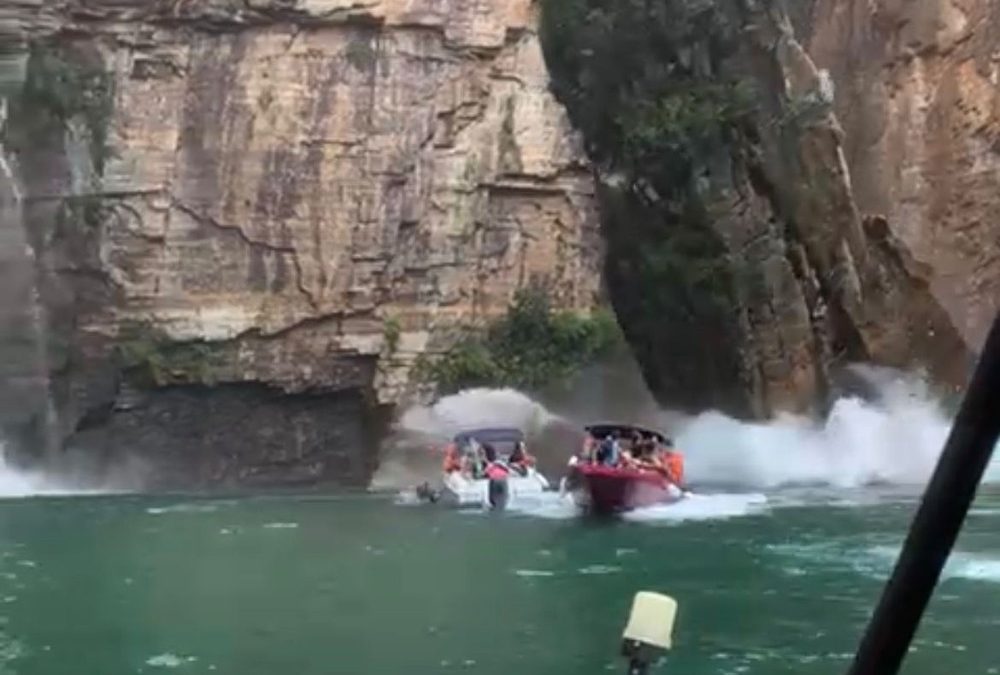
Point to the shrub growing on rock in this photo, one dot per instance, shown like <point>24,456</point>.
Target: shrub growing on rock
<point>532,346</point>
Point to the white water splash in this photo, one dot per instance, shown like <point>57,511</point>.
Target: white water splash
<point>15,483</point>
<point>412,454</point>
<point>961,564</point>
<point>702,507</point>
<point>896,440</point>
<point>474,408</point>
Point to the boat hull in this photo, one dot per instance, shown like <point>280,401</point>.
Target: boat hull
<point>608,490</point>
<point>462,491</point>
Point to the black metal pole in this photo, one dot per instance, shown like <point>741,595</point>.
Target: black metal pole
<point>938,520</point>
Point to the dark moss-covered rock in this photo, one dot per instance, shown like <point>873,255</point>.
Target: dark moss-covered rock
<point>736,258</point>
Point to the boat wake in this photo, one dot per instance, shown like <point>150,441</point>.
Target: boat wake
<point>695,507</point>
<point>703,507</point>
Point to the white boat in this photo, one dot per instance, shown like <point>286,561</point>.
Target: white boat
<point>462,490</point>
<point>506,474</point>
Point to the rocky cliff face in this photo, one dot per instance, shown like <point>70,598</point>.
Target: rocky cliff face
<point>917,97</point>
<point>741,267</point>
<point>283,202</point>
<point>859,290</point>
<point>244,220</point>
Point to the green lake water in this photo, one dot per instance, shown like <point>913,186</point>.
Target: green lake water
<point>358,584</point>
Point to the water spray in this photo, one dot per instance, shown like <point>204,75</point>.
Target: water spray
<point>938,521</point>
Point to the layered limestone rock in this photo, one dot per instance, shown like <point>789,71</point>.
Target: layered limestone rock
<point>302,196</point>
<point>917,95</point>
<point>864,296</point>
<point>773,278</point>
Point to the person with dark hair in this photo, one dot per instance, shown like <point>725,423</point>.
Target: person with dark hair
<point>607,451</point>
<point>519,459</point>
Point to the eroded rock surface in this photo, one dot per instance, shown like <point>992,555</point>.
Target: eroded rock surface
<point>917,95</point>
<point>302,195</point>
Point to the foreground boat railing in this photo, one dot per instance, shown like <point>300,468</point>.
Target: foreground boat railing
<point>929,542</point>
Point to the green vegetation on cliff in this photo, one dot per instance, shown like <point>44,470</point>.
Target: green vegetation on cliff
<point>644,82</point>
<point>529,348</point>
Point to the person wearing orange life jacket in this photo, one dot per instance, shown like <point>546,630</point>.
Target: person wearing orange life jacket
<point>452,459</point>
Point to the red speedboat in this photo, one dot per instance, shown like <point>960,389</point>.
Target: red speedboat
<point>646,472</point>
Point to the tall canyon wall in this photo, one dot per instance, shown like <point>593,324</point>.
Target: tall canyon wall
<point>252,216</point>
<point>918,95</point>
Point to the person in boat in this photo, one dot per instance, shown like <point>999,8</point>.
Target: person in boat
<point>478,458</point>
<point>637,443</point>
<point>452,459</point>
<point>472,459</point>
<point>589,450</point>
<point>646,456</point>
<point>520,460</point>
<point>608,451</point>
<point>673,461</point>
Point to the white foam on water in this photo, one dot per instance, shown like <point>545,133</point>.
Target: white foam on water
<point>895,440</point>
<point>549,505</point>
<point>692,508</point>
<point>877,561</point>
<point>696,507</point>
<point>960,565</point>
<point>281,526</point>
<point>600,569</point>
<point>182,508</point>
<point>534,573</point>
<point>169,660</point>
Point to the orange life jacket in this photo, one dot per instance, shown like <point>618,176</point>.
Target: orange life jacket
<point>675,467</point>
<point>452,462</point>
